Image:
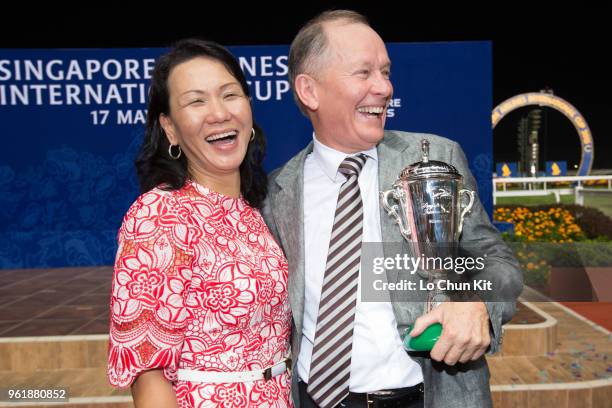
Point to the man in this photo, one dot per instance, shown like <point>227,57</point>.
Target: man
<point>324,202</point>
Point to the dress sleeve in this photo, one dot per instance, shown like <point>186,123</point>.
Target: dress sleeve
<point>151,280</point>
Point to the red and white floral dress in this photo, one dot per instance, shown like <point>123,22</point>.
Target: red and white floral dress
<point>200,284</point>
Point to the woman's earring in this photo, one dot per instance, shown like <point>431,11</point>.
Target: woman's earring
<point>252,134</point>
<point>178,155</point>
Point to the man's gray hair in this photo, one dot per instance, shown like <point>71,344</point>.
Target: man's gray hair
<point>310,44</point>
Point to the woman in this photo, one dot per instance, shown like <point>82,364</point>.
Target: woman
<point>199,308</point>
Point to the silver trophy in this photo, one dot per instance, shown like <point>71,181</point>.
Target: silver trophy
<point>429,207</point>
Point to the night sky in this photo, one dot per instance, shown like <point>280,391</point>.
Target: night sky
<point>561,46</point>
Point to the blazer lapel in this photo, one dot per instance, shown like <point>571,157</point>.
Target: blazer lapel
<point>395,153</point>
<point>288,207</point>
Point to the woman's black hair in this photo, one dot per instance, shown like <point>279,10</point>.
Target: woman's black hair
<point>154,166</point>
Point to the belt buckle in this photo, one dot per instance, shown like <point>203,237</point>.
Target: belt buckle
<point>372,399</point>
<point>267,374</point>
<point>369,400</point>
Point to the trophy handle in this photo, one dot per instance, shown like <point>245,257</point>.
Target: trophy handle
<point>393,209</point>
<point>467,208</point>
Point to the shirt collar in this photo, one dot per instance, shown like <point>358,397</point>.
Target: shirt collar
<point>330,159</point>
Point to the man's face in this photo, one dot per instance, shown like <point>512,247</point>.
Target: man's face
<point>353,88</point>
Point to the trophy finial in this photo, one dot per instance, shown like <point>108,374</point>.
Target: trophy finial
<point>425,149</point>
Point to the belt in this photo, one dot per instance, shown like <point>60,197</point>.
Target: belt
<point>216,377</point>
<point>399,397</point>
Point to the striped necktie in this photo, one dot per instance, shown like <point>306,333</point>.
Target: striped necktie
<point>328,381</point>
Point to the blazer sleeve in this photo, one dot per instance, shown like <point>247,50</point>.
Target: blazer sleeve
<point>480,237</point>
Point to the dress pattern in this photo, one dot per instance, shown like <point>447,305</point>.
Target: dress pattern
<point>201,284</point>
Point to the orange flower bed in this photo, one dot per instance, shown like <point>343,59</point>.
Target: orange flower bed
<point>553,225</point>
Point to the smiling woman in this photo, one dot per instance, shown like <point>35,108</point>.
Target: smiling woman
<point>199,307</point>
<point>210,120</point>
<point>197,91</point>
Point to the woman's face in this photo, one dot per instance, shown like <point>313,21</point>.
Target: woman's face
<point>210,117</point>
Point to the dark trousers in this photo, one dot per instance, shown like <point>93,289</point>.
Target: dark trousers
<point>307,402</point>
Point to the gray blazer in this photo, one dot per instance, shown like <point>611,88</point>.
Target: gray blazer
<point>463,385</point>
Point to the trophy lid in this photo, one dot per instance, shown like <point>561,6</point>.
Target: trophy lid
<point>426,167</point>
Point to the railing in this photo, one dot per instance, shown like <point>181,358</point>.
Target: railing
<point>579,193</point>
<point>539,186</point>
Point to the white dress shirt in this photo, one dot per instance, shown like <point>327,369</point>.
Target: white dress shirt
<point>378,358</point>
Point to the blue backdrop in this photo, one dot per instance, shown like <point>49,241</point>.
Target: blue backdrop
<point>72,122</point>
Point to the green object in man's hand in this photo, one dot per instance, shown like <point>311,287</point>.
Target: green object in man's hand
<point>424,341</point>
